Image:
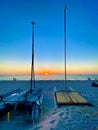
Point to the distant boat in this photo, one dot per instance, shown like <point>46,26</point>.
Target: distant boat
<point>14,79</point>
<point>29,100</point>
<point>89,79</point>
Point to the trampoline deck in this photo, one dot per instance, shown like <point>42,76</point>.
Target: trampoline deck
<point>70,98</point>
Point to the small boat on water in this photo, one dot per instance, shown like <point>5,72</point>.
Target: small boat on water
<point>29,100</point>
<point>14,79</point>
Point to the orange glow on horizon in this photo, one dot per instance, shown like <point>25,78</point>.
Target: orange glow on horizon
<point>20,70</point>
<point>46,73</point>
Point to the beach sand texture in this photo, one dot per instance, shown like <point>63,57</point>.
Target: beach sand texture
<point>54,117</point>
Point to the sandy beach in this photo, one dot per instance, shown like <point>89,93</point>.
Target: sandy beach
<point>54,117</point>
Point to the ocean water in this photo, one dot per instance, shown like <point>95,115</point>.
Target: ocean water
<point>51,77</point>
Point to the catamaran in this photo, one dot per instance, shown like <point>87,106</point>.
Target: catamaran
<point>68,96</point>
<point>30,99</point>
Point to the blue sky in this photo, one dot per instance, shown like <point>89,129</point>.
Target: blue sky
<point>16,35</point>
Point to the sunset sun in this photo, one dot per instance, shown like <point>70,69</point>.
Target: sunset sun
<point>46,74</point>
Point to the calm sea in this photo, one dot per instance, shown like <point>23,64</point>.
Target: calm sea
<point>50,77</point>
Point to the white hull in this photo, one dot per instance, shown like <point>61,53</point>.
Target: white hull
<point>33,100</point>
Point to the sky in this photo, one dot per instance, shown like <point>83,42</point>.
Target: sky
<point>48,15</point>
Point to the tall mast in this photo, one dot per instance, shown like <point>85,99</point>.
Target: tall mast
<point>65,41</point>
<point>32,64</point>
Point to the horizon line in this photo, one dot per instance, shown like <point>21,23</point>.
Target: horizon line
<point>46,74</point>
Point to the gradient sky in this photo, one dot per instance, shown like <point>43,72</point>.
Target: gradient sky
<point>16,36</point>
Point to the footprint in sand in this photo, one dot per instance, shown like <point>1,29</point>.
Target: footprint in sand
<point>52,121</point>
<point>61,114</point>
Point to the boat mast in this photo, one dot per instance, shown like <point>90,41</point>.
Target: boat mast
<point>65,41</point>
<point>32,65</point>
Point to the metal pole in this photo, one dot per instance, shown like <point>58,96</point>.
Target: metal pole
<point>32,65</point>
<point>65,41</point>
